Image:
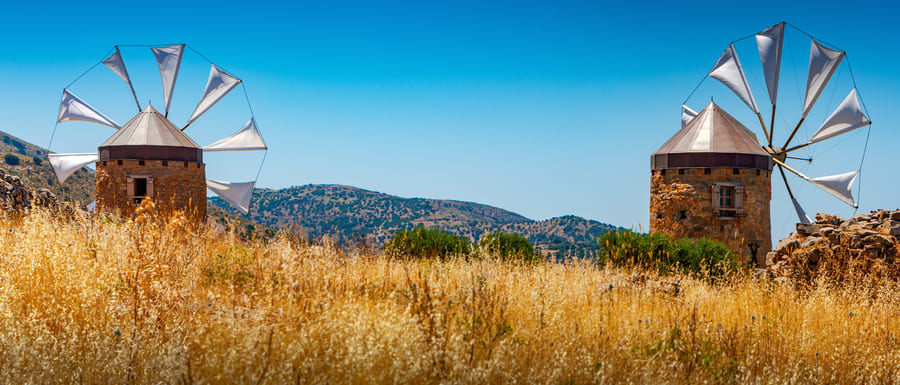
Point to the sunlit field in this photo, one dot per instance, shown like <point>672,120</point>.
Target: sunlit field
<point>102,300</point>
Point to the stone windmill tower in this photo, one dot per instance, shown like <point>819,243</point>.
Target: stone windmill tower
<point>712,179</point>
<point>150,157</point>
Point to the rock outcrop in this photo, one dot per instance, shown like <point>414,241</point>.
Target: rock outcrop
<point>863,246</point>
<point>16,196</point>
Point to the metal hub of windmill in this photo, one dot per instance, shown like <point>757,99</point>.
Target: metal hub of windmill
<point>824,59</point>
<point>162,132</point>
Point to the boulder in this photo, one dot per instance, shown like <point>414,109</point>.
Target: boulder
<point>870,242</point>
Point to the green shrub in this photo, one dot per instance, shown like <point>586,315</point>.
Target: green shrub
<point>11,159</point>
<point>509,246</point>
<point>699,257</point>
<point>37,161</point>
<point>421,242</point>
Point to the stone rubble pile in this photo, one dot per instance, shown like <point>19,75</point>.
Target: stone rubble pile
<point>14,195</point>
<point>870,241</point>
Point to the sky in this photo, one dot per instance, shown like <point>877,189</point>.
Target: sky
<point>543,108</point>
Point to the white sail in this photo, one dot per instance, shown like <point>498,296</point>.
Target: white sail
<point>238,194</point>
<point>72,108</point>
<point>770,42</point>
<point>115,63</point>
<point>800,213</point>
<point>687,114</point>
<point>169,61</point>
<point>728,70</point>
<point>92,207</point>
<point>822,63</point>
<point>847,117</point>
<point>838,185</point>
<point>66,164</point>
<point>219,84</point>
<point>245,139</point>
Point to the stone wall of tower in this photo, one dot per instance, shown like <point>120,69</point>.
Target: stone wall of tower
<point>177,186</point>
<point>681,206</point>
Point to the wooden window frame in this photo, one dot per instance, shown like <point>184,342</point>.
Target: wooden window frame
<point>129,185</point>
<point>736,209</point>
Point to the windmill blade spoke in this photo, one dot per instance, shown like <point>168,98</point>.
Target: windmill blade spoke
<point>789,168</point>
<point>64,165</point>
<point>801,215</point>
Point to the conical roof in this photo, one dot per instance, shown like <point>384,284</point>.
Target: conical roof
<point>149,128</point>
<point>150,136</point>
<point>712,139</point>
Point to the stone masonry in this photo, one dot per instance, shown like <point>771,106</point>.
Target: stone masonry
<point>681,206</point>
<point>176,186</point>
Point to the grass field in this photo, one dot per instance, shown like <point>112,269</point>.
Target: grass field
<point>97,300</point>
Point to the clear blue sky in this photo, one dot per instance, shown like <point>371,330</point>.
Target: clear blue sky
<point>542,108</point>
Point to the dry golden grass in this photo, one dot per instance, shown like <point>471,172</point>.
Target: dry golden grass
<point>103,301</point>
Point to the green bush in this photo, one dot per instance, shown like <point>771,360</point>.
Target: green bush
<point>37,161</point>
<point>700,257</point>
<point>509,246</point>
<point>421,242</point>
<point>11,159</point>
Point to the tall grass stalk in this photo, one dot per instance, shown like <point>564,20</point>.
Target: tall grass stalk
<point>102,300</point>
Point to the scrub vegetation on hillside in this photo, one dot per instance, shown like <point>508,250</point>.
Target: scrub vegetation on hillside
<point>157,300</point>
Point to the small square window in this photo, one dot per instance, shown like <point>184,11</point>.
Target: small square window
<point>165,163</point>
<point>140,163</point>
<point>680,171</point>
<point>707,171</point>
<point>757,172</point>
<point>119,162</point>
<point>736,171</point>
<point>185,164</point>
<point>662,172</point>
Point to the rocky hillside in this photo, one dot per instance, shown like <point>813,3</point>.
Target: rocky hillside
<point>29,163</point>
<point>349,212</point>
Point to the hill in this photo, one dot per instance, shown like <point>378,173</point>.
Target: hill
<point>30,163</point>
<point>348,213</point>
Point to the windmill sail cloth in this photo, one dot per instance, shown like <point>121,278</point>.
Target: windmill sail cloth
<point>800,213</point>
<point>219,85</point>
<point>687,114</point>
<point>66,164</point>
<point>822,63</point>
<point>245,139</point>
<point>838,185</point>
<point>72,108</point>
<point>115,63</point>
<point>847,117</point>
<point>728,70</point>
<point>169,61</point>
<point>238,194</point>
<point>770,41</point>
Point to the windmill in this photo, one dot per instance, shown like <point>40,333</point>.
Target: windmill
<point>849,115</point>
<point>152,157</point>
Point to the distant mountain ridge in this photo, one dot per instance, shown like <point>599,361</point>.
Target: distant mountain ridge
<point>341,212</point>
<point>348,212</point>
